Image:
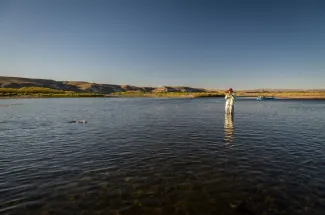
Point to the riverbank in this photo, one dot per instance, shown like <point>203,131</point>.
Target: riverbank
<point>36,96</point>
<point>281,95</point>
<point>147,95</point>
<point>37,93</point>
<point>288,95</point>
<point>166,95</point>
<point>18,87</point>
<point>191,96</point>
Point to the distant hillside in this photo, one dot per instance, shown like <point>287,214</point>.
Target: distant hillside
<point>81,86</point>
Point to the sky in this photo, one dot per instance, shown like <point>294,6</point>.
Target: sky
<point>212,44</point>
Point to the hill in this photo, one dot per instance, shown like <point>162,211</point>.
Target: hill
<point>81,86</point>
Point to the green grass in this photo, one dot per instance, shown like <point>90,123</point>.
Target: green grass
<point>288,94</point>
<point>167,94</point>
<point>30,90</point>
<point>47,92</point>
<point>43,92</point>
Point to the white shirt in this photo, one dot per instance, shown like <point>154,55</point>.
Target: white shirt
<point>230,99</point>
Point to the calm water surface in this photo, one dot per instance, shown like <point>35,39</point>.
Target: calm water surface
<point>161,156</point>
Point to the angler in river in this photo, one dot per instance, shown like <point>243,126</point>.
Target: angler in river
<point>230,98</point>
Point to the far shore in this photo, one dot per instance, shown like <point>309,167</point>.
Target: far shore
<point>107,96</point>
<point>302,96</point>
<point>294,97</point>
<point>26,88</point>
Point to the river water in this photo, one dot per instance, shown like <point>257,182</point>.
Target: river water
<point>161,156</point>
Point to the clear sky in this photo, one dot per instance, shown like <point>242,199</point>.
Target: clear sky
<point>242,44</point>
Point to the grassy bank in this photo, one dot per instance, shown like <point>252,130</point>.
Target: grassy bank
<point>40,92</point>
<point>42,95</point>
<point>166,94</point>
<point>288,95</point>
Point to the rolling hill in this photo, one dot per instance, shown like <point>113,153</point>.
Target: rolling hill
<point>81,86</point>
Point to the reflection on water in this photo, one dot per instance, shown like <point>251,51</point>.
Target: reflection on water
<point>162,157</point>
<point>229,128</point>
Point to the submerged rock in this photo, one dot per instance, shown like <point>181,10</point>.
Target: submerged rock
<point>78,121</point>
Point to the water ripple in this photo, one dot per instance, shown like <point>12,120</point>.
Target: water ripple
<point>162,156</point>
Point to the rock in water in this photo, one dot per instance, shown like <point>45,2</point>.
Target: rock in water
<point>82,121</point>
<point>78,121</point>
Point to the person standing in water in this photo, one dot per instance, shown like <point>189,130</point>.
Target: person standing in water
<point>230,98</point>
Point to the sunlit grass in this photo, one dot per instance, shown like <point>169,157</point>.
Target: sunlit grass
<point>286,94</point>
<point>47,92</point>
<point>167,94</point>
<point>43,92</point>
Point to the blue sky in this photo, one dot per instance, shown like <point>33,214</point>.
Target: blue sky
<point>213,44</point>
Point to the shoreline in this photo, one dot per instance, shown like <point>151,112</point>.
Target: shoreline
<point>107,97</point>
<point>190,96</point>
<point>282,97</point>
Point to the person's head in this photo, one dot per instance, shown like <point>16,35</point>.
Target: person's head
<point>230,90</point>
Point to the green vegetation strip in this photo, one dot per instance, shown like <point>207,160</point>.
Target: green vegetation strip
<point>43,92</point>
<point>27,92</point>
<point>166,94</point>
